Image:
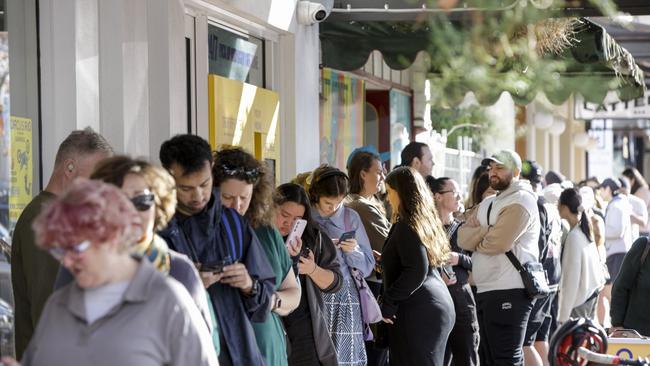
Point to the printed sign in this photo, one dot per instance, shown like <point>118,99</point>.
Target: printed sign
<point>613,108</point>
<point>20,192</point>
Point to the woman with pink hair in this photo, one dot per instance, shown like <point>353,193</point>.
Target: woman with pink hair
<point>119,310</point>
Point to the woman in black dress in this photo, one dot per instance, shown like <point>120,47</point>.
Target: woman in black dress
<point>416,304</point>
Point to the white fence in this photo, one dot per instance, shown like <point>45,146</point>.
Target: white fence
<point>459,165</point>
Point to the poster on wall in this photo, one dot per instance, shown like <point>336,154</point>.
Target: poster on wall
<point>341,117</point>
<point>400,125</point>
<point>244,115</point>
<point>20,192</point>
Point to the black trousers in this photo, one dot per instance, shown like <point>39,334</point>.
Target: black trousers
<point>503,316</point>
<point>302,345</point>
<point>462,345</point>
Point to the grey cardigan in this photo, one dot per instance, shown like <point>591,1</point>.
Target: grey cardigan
<point>324,345</point>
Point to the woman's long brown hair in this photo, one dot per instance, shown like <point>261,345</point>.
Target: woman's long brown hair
<point>417,210</point>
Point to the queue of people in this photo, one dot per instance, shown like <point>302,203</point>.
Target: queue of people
<point>204,262</point>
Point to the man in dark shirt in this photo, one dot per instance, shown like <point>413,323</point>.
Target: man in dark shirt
<point>33,270</point>
<point>212,236</point>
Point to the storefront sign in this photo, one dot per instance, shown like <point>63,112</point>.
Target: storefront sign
<point>613,108</point>
<point>20,192</point>
<point>341,117</point>
<point>229,55</point>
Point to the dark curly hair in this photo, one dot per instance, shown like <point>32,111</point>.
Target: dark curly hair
<point>236,163</point>
<point>328,181</point>
<point>189,151</point>
<point>114,170</point>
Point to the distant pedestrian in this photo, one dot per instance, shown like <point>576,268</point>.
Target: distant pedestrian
<point>418,156</point>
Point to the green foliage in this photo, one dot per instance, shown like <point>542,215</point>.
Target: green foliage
<point>512,48</point>
<point>448,118</point>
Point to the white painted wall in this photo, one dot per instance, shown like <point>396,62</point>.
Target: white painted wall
<point>119,66</point>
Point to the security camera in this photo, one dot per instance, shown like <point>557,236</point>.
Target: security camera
<point>311,13</point>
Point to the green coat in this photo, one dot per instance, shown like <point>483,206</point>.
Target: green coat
<point>270,334</point>
<point>631,291</point>
<point>33,272</point>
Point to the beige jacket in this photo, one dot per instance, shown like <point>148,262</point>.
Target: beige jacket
<point>513,225</point>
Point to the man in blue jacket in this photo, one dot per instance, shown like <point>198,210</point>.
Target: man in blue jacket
<point>231,262</point>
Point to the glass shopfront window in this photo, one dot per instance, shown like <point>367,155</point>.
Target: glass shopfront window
<point>5,130</point>
<point>235,55</point>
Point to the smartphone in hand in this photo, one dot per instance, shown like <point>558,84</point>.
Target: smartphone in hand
<point>297,230</point>
<point>347,236</point>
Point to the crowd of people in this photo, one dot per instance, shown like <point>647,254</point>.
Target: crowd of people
<point>203,261</point>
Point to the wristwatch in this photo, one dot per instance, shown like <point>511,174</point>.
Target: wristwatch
<point>254,288</point>
<point>277,303</point>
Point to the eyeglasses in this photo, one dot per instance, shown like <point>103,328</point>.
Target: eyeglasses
<point>144,201</point>
<point>60,253</point>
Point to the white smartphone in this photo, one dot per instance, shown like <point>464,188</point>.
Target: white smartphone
<point>297,230</point>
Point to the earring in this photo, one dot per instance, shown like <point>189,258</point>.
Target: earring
<point>70,167</point>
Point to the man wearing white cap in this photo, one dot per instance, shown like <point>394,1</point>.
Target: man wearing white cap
<point>507,222</point>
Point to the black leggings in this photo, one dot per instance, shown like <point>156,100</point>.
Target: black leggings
<point>302,345</point>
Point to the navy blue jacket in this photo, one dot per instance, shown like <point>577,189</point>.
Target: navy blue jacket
<point>206,238</point>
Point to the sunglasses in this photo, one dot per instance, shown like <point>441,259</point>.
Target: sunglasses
<point>143,202</point>
<point>76,250</point>
<point>239,171</point>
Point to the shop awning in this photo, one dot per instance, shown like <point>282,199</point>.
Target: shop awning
<point>595,63</point>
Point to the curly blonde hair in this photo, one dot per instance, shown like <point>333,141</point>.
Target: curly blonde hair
<point>160,182</point>
<point>418,211</point>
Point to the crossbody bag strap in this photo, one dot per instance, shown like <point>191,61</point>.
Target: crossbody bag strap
<point>515,262</point>
<point>489,212</point>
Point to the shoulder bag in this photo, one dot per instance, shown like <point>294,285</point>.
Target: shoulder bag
<point>532,273</point>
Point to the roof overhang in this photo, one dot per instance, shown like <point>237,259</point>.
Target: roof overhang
<point>595,64</point>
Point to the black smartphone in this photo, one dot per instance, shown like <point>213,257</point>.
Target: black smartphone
<point>347,236</point>
<point>211,267</point>
<point>216,267</point>
<point>304,251</point>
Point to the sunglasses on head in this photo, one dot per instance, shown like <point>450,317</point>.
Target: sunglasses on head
<point>143,202</point>
<point>249,173</point>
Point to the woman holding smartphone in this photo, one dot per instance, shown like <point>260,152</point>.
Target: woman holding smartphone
<point>314,258</point>
<point>328,187</point>
<point>244,185</point>
<point>366,181</point>
<point>416,304</point>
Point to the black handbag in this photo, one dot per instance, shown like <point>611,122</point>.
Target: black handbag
<point>533,276</point>
<point>532,273</point>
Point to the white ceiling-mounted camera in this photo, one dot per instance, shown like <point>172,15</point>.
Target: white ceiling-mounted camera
<point>311,12</point>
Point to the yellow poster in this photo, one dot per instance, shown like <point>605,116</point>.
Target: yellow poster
<point>21,166</point>
<point>245,115</point>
